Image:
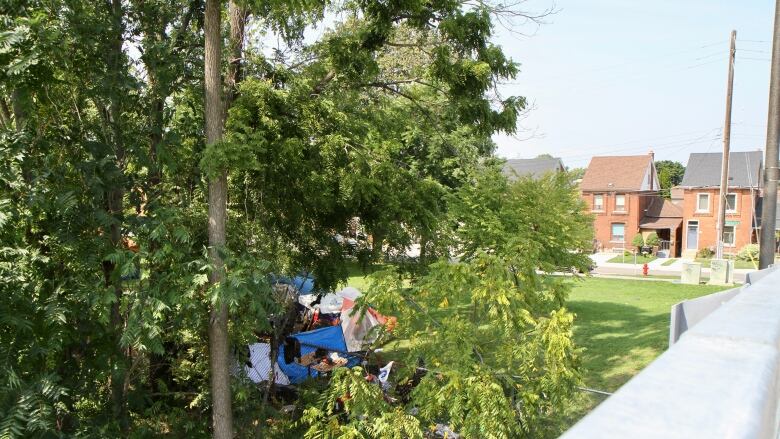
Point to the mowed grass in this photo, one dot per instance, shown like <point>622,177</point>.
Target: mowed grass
<point>621,325</point>
<point>738,264</point>
<point>629,259</point>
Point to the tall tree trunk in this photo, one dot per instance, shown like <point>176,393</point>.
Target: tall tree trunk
<point>115,207</point>
<point>222,416</point>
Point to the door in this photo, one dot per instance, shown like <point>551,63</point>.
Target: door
<point>692,236</point>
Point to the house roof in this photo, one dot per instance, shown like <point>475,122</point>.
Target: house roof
<point>661,214</point>
<point>616,173</point>
<point>661,208</point>
<point>703,169</point>
<point>532,167</point>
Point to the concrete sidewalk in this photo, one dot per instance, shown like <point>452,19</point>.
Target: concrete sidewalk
<point>655,267</point>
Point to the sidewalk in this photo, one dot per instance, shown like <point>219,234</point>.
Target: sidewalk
<point>655,267</point>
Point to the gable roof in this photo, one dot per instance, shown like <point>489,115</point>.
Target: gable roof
<point>532,167</point>
<point>610,173</point>
<point>703,169</point>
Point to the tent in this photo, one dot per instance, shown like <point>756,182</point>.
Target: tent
<point>357,326</point>
<point>259,367</point>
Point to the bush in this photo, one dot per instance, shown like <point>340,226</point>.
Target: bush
<point>638,240</point>
<point>748,253</point>
<point>652,240</point>
<point>705,253</point>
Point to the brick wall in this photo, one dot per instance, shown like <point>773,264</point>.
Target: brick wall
<point>742,219</point>
<point>636,203</point>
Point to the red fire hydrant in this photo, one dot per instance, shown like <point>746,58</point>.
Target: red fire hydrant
<point>645,269</point>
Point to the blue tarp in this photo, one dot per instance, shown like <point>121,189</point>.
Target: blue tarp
<point>330,338</point>
<point>304,284</point>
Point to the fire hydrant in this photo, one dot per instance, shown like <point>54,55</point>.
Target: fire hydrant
<point>645,269</point>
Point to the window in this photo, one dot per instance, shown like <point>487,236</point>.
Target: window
<point>618,232</point>
<point>598,202</point>
<point>731,203</point>
<point>703,203</point>
<point>729,235</point>
<point>620,203</point>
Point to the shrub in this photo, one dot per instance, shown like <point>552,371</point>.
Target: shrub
<point>705,253</point>
<point>748,253</point>
<point>638,240</point>
<point>652,239</point>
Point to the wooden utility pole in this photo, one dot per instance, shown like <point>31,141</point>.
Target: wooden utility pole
<point>724,169</point>
<point>768,214</point>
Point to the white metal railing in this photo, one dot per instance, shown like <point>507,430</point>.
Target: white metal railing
<point>720,379</point>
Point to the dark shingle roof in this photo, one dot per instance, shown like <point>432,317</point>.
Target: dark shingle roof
<point>532,167</point>
<point>703,169</point>
<point>616,173</point>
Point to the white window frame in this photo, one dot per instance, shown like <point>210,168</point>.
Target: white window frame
<point>617,208</point>
<point>736,201</point>
<point>698,196</point>
<point>733,235</point>
<point>598,209</point>
<point>611,234</point>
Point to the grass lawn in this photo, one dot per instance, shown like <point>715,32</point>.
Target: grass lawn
<point>705,263</point>
<point>621,325</point>
<point>669,262</point>
<point>640,259</point>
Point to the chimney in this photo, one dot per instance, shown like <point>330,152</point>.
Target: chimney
<point>652,167</point>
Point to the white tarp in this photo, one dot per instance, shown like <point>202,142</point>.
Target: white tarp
<point>329,304</point>
<point>259,357</point>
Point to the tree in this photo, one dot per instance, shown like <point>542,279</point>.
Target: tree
<point>486,334</point>
<point>670,174</point>
<point>119,305</point>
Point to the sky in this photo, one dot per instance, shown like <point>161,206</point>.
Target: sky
<point>623,77</point>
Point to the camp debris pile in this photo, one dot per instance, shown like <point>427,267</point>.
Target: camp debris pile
<point>335,334</point>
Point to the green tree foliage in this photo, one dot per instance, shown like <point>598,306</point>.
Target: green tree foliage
<point>670,174</point>
<point>103,189</point>
<point>491,334</point>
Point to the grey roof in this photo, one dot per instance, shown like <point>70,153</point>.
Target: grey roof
<point>703,169</point>
<point>533,167</point>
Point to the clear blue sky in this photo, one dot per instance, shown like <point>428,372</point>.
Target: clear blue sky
<point>622,77</point>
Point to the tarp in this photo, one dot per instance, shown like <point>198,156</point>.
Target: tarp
<point>328,304</point>
<point>260,369</point>
<point>330,338</point>
<point>305,285</point>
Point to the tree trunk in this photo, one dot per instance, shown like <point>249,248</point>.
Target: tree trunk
<point>115,207</point>
<point>238,16</point>
<point>222,416</point>
<point>18,98</point>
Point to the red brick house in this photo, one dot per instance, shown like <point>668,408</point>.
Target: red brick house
<point>700,189</point>
<point>622,194</point>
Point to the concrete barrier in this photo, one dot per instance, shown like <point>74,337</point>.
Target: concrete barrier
<point>721,379</point>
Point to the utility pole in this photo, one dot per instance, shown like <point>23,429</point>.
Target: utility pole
<point>724,169</point>
<point>768,214</point>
